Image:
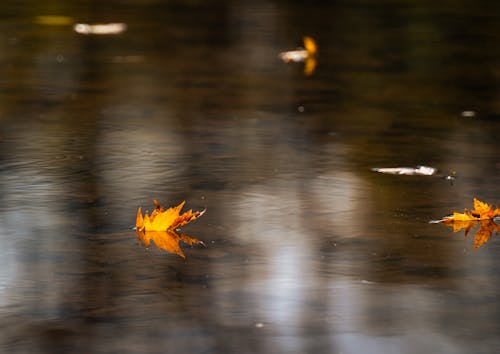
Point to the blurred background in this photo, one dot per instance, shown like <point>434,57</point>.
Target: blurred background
<point>308,250</point>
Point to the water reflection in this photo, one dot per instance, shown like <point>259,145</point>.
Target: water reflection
<point>307,249</point>
<point>166,240</point>
<point>482,234</point>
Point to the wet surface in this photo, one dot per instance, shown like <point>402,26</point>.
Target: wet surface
<point>308,250</point>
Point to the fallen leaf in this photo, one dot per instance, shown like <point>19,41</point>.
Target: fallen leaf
<point>482,214</point>
<point>306,54</point>
<point>466,216</point>
<point>484,211</point>
<point>164,220</point>
<point>160,227</point>
<point>310,45</point>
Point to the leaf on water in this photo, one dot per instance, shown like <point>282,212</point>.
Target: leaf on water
<point>485,211</point>
<point>410,171</point>
<point>310,45</point>
<point>306,55</point>
<point>466,216</point>
<point>160,227</point>
<point>482,214</point>
<point>164,220</point>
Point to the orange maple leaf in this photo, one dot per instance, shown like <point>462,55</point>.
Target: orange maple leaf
<point>160,227</point>
<point>165,220</point>
<point>482,213</point>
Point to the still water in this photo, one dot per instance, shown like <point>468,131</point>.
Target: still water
<point>307,249</point>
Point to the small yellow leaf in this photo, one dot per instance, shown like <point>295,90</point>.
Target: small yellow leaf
<point>310,45</point>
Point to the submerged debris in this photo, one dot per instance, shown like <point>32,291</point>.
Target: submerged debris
<point>104,28</point>
<point>410,171</point>
<point>468,114</point>
<point>451,177</point>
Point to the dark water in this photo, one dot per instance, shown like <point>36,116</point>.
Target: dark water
<point>308,250</point>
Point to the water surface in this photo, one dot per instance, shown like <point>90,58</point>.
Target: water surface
<point>308,250</point>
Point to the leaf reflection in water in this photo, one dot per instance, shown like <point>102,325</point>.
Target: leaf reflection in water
<point>167,240</point>
<point>483,234</point>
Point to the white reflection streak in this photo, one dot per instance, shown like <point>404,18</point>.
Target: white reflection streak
<point>286,286</point>
<point>340,197</point>
<point>34,188</point>
<point>409,323</point>
<point>271,214</point>
<point>9,271</point>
